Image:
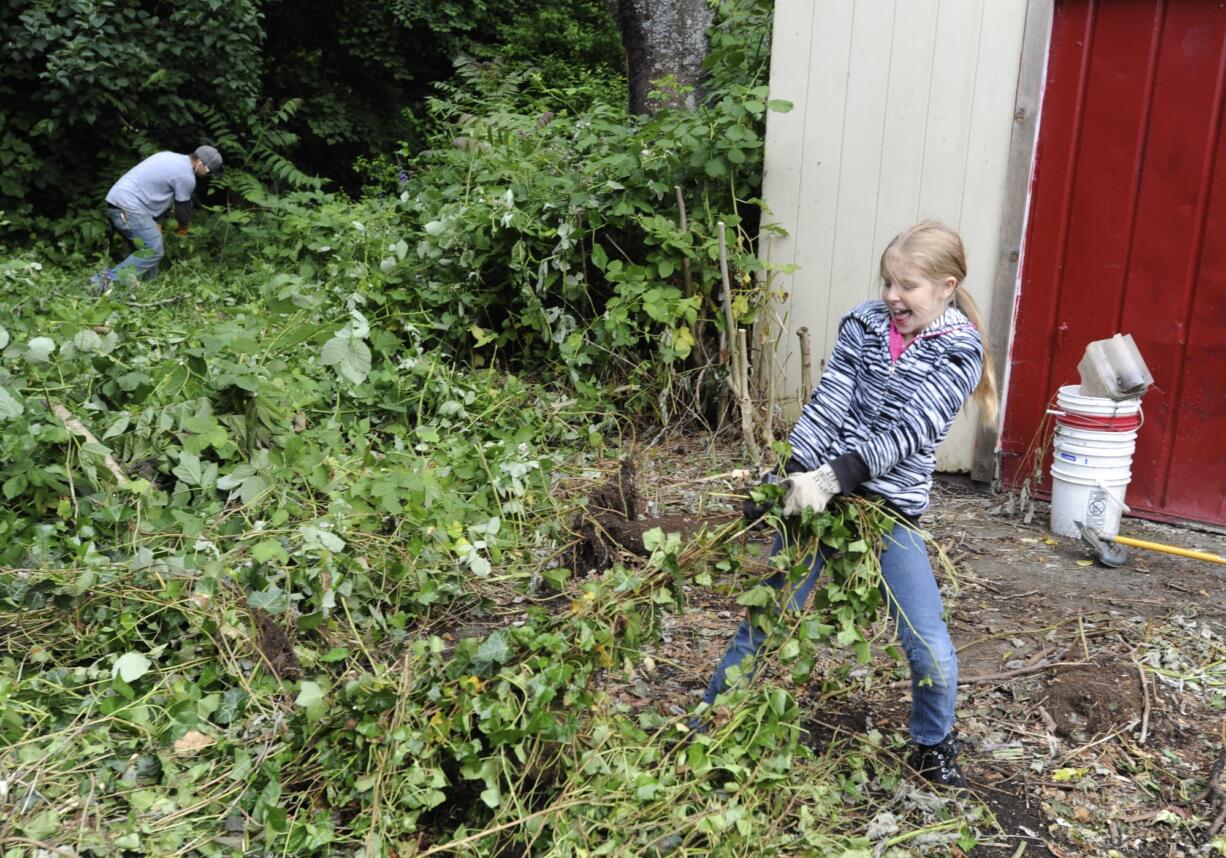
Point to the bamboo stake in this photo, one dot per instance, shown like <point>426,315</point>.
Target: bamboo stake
<point>727,337</point>
<point>746,403</point>
<point>685,261</point>
<point>729,321</point>
<point>806,366</point>
<point>762,330</point>
<point>769,365</point>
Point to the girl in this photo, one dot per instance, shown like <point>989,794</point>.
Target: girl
<point>900,371</point>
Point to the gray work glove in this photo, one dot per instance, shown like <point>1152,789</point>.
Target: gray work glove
<point>810,490</point>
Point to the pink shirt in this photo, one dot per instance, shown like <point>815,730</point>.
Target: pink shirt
<point>897,346</point>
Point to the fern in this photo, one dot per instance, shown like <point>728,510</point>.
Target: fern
<point>257,163</point>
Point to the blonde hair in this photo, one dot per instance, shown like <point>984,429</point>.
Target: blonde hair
<point>936,250</point>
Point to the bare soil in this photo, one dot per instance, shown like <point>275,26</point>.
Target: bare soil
<point>1093,700</point>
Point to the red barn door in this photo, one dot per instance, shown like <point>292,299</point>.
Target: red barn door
<point>1127,232</point>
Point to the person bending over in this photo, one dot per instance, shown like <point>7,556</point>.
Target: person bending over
<point>141,196</point>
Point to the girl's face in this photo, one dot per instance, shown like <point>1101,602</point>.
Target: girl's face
<point>915,301</point>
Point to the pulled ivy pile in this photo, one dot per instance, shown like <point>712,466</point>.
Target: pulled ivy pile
<point>285,533</point>
<point>298,591</point>
<point>288,603</point>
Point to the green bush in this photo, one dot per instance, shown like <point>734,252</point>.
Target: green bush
<point>541,224</point>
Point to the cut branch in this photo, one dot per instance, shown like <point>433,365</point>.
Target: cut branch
<point>76,427</point>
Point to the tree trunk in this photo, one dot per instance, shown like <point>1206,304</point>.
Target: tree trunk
<point>663,38</point>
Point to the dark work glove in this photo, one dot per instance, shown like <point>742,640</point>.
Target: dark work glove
<point>761,500</point>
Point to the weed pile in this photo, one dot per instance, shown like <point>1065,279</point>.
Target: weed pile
<point>252,602</point>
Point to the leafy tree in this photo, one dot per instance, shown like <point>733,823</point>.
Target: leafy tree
<point>357,66</point>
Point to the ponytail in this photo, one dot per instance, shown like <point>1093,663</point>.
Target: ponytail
<point>986,394</point>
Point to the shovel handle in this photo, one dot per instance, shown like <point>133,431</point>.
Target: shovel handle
<point>1168,549</point>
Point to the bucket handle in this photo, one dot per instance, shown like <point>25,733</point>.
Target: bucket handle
<point>1055,412</point>
<point>1123,506</point>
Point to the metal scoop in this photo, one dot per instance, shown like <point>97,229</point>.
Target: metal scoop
<point>1109,554</point>
<point>1111,550</point>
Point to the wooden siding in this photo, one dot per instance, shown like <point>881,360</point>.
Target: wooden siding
<point>903,109</point>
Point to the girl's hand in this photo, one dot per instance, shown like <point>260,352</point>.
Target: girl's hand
<point>810,490</point>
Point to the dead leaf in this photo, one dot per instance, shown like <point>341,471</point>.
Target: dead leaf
<point>1085,562</point>
<point>192,741</point>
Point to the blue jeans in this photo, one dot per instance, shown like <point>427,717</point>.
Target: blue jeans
<point>914,601</point>
<point>142,230</point>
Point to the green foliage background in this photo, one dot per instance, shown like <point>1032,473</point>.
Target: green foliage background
<point>92,86</point>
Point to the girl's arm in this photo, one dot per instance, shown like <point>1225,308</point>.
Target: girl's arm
<point>816,433</point>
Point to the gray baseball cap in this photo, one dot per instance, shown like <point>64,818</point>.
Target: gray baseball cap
<point>210,157</point>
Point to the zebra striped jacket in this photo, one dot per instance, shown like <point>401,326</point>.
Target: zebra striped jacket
<point>878,421</point>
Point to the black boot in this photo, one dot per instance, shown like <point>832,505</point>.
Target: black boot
<point>938,764</point>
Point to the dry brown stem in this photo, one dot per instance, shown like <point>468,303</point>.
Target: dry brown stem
<point>76,427</point>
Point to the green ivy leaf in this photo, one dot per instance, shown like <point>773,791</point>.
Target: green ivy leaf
<point>350,357</point>
<point>188,470</point>
<point>234,479</point>
<point>41,826</point>
<point>481,335</point>
<point>10,406</point>
<point>131,666</point>
<point>118,427</point>
<point>271,600</point>
<point>317,538</point>
<point>87,341</point>
<point>268,549</point>
<point>309,693</point>
<point>599,258</point>
<point>492,652</point>
<point>39,350</point>
<point>758,597</point>
<point>253,488</point>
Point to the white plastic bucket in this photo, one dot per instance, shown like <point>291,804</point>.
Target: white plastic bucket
<point>1109,451</point>
<point>1091,491</point>
<point>1088,458</point>
<point>1096,437</point>
<point>1069,398</point>
<point>1091,464</point>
